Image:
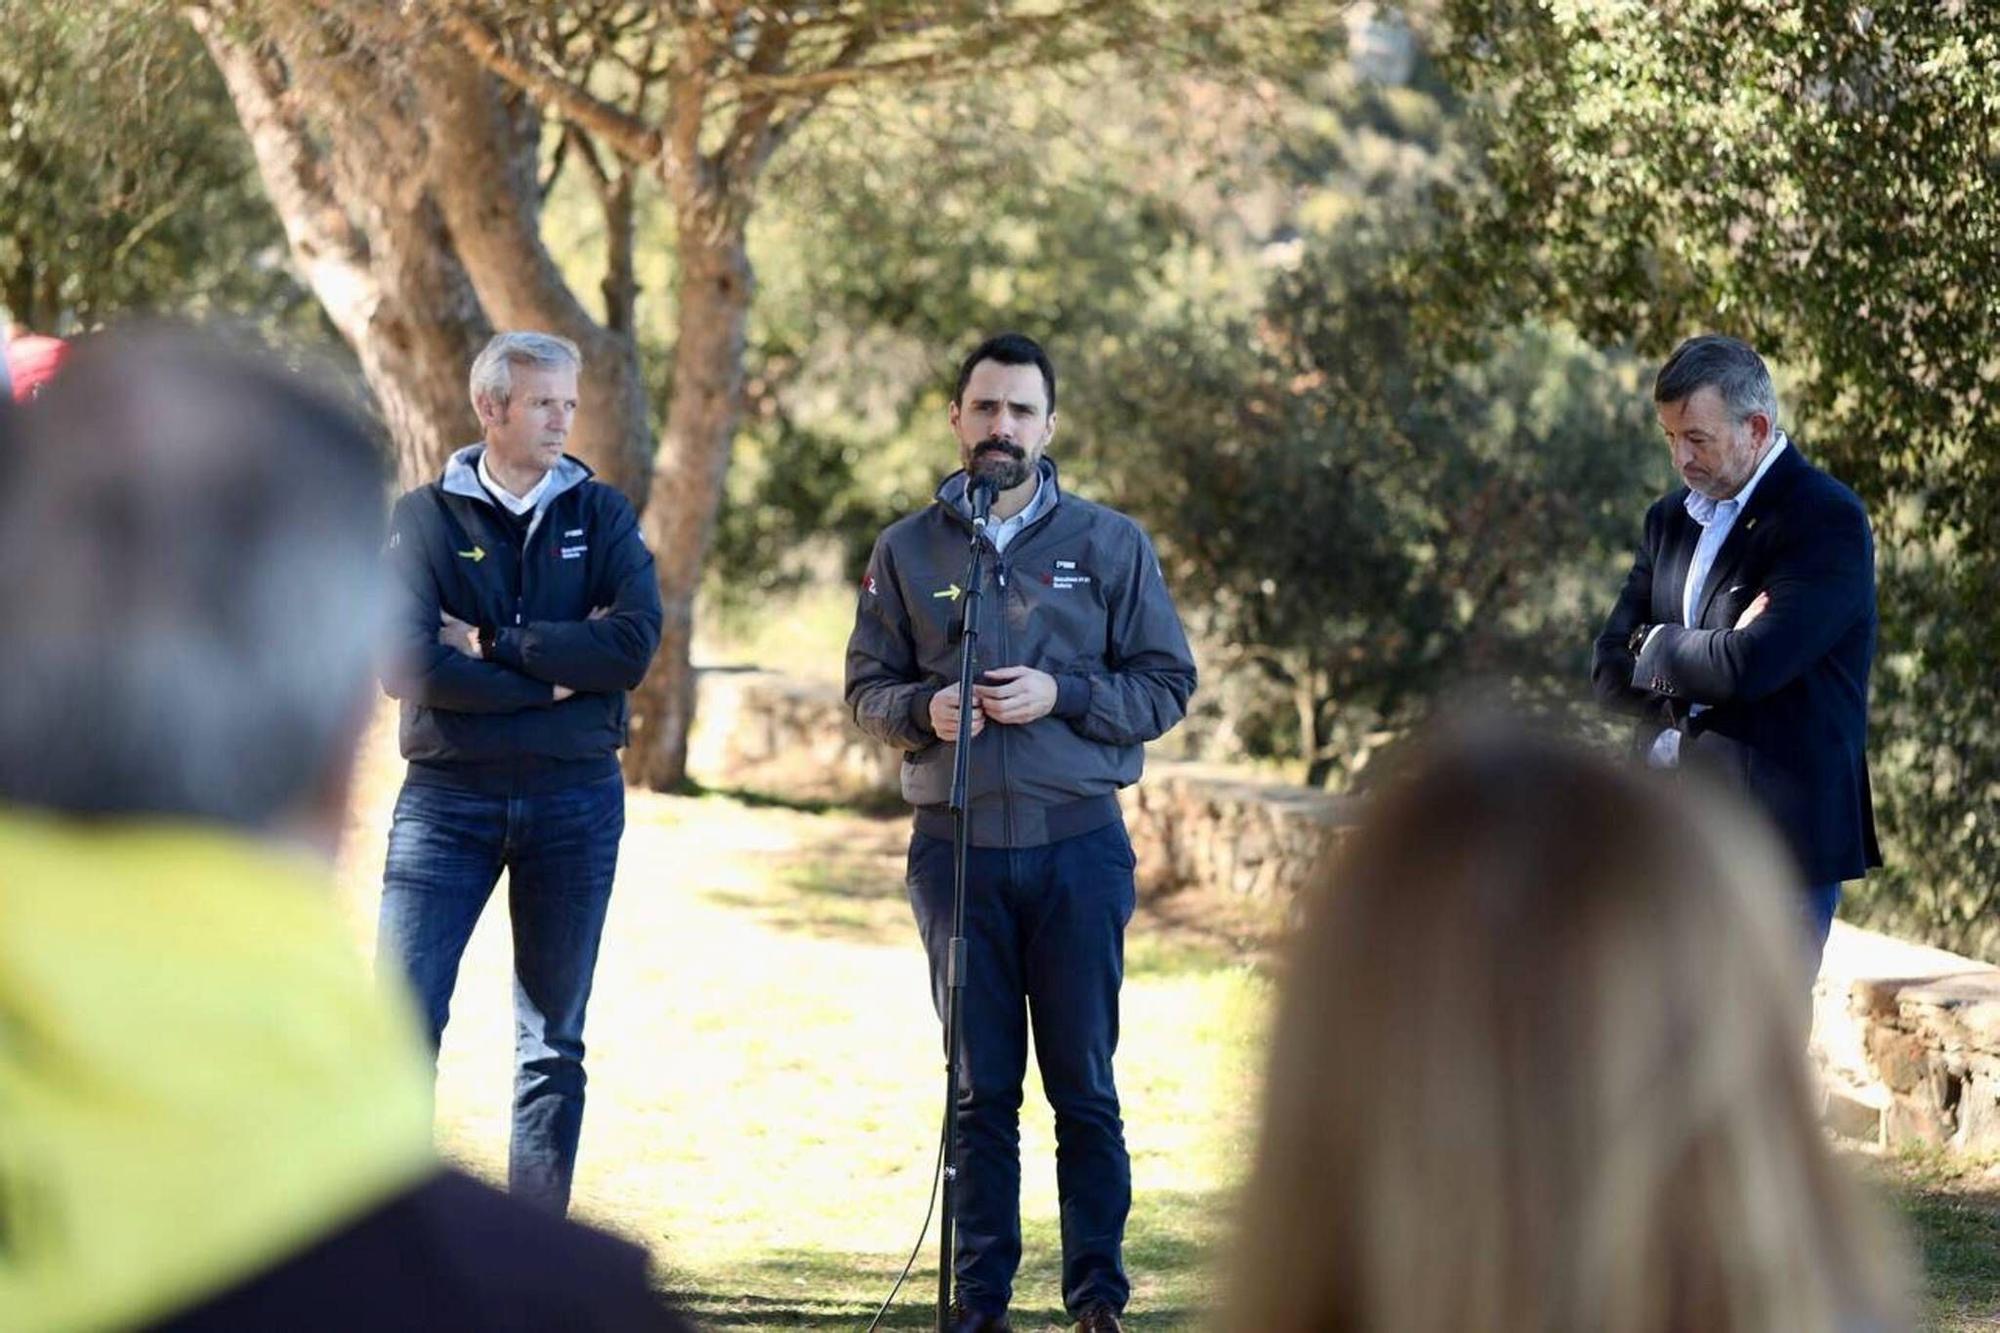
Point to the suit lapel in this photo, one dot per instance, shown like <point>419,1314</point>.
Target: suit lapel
<point>1770,493</point>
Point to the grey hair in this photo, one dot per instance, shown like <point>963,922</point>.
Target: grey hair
<point>193,597</point>
<point>492,378</point>
<point>1731,367</point>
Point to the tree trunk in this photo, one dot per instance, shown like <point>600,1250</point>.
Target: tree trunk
<point>369,240</point>
<point>715,290</point>
<point>484,153</point>
<point>419,344</point>
<point>1309,697</point>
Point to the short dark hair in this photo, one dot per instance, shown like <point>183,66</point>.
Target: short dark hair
<point>1009,349</point>
<point>1730,366</point>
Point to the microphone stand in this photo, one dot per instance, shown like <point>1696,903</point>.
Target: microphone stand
<point>979,492</point>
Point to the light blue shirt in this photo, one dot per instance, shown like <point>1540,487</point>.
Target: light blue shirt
<point>1043,500</point>
<point>1717,518</point>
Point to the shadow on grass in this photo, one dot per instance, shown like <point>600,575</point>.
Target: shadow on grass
<point>875,805</point>
<point>1958,1237</point>
<point>1951,1210</point>
<point>856,897</point>
<point>852,889</point>
<point>1168,1246</point>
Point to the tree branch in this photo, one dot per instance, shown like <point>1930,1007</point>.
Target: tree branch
<point>845,69</point>
<point>627,135</point>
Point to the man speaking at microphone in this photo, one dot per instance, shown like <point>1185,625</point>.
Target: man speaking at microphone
<point>1082,660</point>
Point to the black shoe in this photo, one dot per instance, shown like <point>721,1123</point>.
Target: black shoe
<point>1099,1318</point>
<point>972,1321</point>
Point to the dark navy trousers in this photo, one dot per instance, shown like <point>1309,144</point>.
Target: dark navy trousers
<point>1045,952</point>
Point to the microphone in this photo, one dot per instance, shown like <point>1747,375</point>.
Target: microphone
<point>979,493</point>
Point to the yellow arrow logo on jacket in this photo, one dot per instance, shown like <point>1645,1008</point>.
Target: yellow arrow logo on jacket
<point>953,593</point>
<point>475,555</point>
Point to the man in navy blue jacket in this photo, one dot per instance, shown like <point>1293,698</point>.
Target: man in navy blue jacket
<point>1743,636</point>
<point>528,608</point>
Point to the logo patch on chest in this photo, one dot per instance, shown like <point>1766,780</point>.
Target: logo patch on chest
<point>1064,576</point>
<point>573,552</point>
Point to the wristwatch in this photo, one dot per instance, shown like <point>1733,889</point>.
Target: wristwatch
<point>486,634</point>
<point>1633,642</point>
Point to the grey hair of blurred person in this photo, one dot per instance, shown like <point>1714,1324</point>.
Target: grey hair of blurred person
<point>193,597</point>
<point>1729,366</point>
<point>492,378</point>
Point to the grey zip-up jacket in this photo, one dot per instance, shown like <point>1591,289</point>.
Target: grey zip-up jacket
<point>1077,594</point>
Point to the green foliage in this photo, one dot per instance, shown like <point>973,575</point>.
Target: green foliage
<point>128,183</point>
<point>1351,521</point>
<point>1822,179</point>
<point>1357,524</point>
<point>898,234</point>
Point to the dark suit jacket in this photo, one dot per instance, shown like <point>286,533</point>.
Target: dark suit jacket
<point>1788,696</point>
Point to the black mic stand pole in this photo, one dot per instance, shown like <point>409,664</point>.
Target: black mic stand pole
<point>980,494</point>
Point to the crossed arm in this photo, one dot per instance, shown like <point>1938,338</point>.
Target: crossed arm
<point>437,659</point>
<point>1818,583</point>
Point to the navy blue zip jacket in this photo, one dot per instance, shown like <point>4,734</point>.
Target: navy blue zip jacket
<point>493,724</point>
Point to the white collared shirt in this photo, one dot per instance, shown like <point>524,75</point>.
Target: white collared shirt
<point>1717,518</point>
<point>516,504</point>
<point>1009,528</point>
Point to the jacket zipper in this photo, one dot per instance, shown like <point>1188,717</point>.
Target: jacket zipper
<point>1006,656</point>
<point>1000,576</point>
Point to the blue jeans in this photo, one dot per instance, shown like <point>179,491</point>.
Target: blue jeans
<point>1045,947</point>
<point>446,850</point>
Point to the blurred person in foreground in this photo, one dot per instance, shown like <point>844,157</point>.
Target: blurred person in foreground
<point>1538,1068</point>
<point>1743,636</point>
<point>210,1115</point>
<point>526,606</point>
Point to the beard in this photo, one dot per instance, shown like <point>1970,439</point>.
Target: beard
<point>1002,463</point>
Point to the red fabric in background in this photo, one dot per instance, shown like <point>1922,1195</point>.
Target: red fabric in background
<point>32,360</point>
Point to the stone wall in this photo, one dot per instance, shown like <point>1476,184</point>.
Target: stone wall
<point>1199,826</point>
<point>1907,1039</point>
<point>1193,826</point>
<point>760,731</point>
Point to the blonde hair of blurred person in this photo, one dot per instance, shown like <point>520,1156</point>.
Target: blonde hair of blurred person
<point>1538,1065</point>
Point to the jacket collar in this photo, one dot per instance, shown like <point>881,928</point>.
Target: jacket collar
<point>461,476</point>
<point>951,491</point>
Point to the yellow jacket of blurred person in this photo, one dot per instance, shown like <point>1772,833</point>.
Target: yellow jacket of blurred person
<point>197,1075</point>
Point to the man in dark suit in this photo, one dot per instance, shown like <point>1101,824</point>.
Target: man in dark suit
<point>1743,636</point>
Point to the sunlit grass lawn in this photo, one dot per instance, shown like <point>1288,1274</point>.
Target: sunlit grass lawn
<point>766,1079</point>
